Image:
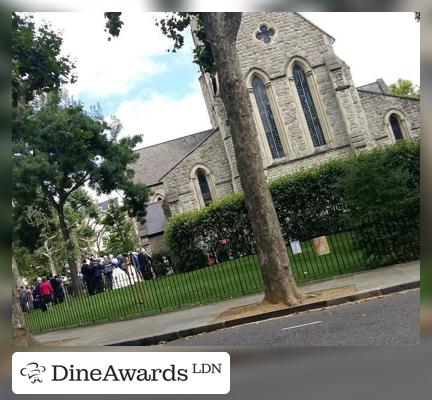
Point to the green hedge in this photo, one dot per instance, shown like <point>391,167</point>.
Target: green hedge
<point>374,192</point>
<point>382,191</point>
<point>192,235</point>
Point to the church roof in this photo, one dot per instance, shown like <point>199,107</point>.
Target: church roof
<point>155,220</point>
<point>379,86</point>
<point>155,161</point>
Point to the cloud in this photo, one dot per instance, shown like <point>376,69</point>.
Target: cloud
<point>162,118</point>
<point>109,68</point>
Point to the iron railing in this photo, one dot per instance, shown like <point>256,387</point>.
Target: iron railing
<point>338,250</point>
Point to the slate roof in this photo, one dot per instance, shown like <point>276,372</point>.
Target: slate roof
<point>155,161</point>
<point>155,220</point>
<point>379,86</point>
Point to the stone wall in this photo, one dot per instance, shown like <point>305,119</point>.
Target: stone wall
<point>154,243</point>
<point>295,38</point>
<point>351,119</point>
<point>377,105</point>
<point>287,167</point>
<point>156,190</point>
<point>210,154</point>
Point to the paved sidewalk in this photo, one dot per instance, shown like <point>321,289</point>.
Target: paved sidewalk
<point>121,331</point>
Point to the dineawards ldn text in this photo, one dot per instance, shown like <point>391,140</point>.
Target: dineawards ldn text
<point>113,374</point>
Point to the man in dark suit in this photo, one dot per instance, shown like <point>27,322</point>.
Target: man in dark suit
<point>145,262</point>
<point>87,273</point>
<point>97,269</point>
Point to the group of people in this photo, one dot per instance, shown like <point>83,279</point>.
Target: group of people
<point>109,272</point>
<point>44,293</point>
<point>97,274</point>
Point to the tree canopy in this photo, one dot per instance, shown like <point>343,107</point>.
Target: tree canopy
<point>37,63</point>
<point>39,247</point>
<point>59,146</point>
<point>122,237</point>
<point>404,87</point>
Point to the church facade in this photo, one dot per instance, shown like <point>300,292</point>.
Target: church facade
<point>306,108</point>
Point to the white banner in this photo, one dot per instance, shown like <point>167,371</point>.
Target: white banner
<point>120,373</point>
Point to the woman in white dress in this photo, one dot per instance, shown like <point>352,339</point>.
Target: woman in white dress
<point>119,277</point>
<point>131,270</point>
<point>137,293</point>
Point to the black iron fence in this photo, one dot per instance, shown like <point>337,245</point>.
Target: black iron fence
<point>340,249</point>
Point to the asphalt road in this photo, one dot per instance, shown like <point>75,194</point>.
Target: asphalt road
<point>388,320</point>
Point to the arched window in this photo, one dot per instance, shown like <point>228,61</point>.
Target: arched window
<point>396,127</point>
<point>267,118</point>
<point>308,106</point>
<point>204,186</point>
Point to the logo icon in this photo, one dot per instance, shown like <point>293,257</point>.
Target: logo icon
<point>33,371</point>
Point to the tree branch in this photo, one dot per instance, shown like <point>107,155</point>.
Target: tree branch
<point>75,187</point>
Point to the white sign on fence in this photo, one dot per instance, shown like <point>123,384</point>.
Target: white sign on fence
<point>296,247</point>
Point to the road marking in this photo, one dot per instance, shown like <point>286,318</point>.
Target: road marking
<point>299,326</point>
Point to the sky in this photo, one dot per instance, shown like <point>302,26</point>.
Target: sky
<point>156,93</point>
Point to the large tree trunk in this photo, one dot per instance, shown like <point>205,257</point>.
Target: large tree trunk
<point>279,284</point>
<point>20,334</point>
<point>70,248</point>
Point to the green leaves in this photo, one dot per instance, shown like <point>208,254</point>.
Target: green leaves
<point>37,65</point>
<point>33,219</point>
<point>113,170</point>
<point>121,232</point>
<point>135,197</point>
<point>192,235</point>
<point>113,24</point>
<point>60,147</point>
<point>381,180</point>
<point>404,87</point>
<point>173,27</point>
<point>369,189</point>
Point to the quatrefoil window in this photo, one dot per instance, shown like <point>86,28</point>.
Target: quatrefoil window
<point>265,34</point>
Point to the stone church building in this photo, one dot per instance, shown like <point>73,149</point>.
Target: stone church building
<point>306,107</point>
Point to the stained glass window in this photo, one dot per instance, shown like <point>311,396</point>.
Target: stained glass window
<point>204,186</point>
<point>397,131</point>
<point>267,118</point>
<point>308,106</point>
